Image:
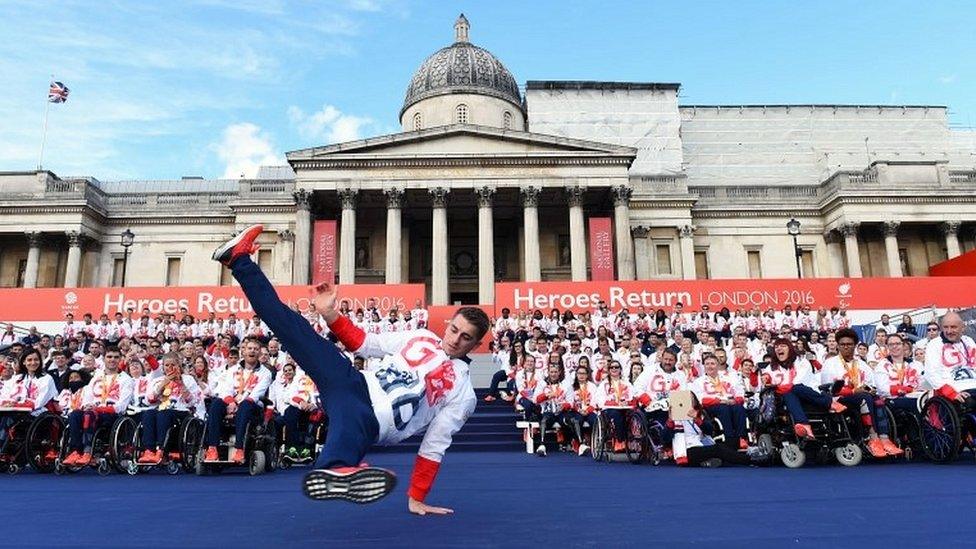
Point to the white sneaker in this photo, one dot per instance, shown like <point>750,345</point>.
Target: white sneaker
<point>541,450</point>
<point>583,449</point>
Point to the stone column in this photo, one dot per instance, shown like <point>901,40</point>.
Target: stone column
<point>347,240</point>
<point>849,230</point>
<point>621,221</point>
<point>303,237</point>
<point>73,268</point>
<point>891,248</point>
<point>394,266</point>
<point>951,231</point>
<point>486,245</point>
<point>33,259</point>
<point>439,292</point>
<point>286,262</point>
<point>530,210</point>
<point>686,236</point>
<point>642,256</point>
<point>577,233</point>
<point>835,254</point>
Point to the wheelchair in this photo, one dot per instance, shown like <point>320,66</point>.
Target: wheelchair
<point>108,449</point>
<point>260,445</point>
<point>646,435</point>
<point>31,441</point>
<point>314,427</point>
<point>774,433</point>
<point>636,444</point>
<point>179,445</point>
<point>906,429</point>
<point>947,428</point>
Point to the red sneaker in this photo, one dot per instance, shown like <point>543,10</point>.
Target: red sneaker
<point>147,457</point>
<point>85,459</point>
<point>803,430</point>
<point>619,446</point>
<point>72,458</point>
<point>489,398</point>
<point>355,484</point>
<point>238,456</point>
<point>891,448</point>
<point>877,448</point>
<point>211,454</point>
<point>743,444</point>
<point>837,407</point>
<point>242,244</point>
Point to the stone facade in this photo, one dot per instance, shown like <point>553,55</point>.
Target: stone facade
<point>693,191</point>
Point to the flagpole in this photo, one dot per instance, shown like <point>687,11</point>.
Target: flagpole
<point>47,110</point>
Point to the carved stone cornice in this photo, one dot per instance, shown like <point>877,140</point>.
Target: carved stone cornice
<point>286,235</point>
<point>530,196</point>
<point>640,231</point>
<point>458,162</point>
<point>486,196</point>
<point>438,196</point>
<point>950,228</point>
<point>687,231</point>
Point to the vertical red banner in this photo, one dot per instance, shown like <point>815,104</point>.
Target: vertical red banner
<point>601,248</point>
<point>324,251</point>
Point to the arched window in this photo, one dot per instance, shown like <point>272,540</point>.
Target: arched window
<point>418,122</point>
<point>462,114</point>
<point>507,120</point>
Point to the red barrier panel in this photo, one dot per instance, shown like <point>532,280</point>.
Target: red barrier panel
<point>852,293</point>
<point>52,304</point>
<point>963,265</point>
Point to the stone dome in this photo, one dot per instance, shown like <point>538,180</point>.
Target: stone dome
<point>462,67</point>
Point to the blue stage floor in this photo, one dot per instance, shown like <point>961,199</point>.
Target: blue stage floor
<point>506,499</point>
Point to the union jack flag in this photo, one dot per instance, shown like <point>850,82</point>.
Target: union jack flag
<point>58,93</point>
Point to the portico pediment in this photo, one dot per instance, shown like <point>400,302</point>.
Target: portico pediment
<point>461,141</point>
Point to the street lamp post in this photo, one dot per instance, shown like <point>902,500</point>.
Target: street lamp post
<point>793,227</point>
<point>127,238</point>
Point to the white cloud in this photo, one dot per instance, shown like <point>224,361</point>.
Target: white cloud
<point>948,78</point>
<point>328,124</point>
<point>243,148</point>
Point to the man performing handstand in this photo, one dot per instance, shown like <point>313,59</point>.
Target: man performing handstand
<point>422,383</point>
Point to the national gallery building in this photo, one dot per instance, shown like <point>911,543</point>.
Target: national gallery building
<point>490,181</point>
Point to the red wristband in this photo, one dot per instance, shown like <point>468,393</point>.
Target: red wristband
<point>351,337</point>
<point>424,472</point>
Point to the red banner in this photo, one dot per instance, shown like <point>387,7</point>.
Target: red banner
<point>324,251</point>
<point>851,293</point>
<point>963,265</point>
<point>52,304</point>
<point>601,249</point>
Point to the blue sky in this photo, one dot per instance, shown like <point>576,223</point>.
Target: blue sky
<point>216,87</point>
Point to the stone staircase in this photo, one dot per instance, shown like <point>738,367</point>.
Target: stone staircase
<point>491,428</point>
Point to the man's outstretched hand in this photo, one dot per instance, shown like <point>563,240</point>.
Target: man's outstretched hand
<point>421,508</point>
<point>324,298</point>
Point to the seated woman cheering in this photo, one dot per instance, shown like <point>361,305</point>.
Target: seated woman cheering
<point>174,395</point>
<point>615,394</point>
<point>795,382</point>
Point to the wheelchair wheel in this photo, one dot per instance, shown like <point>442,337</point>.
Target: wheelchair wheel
<point>258,463</point>
<point>941,430</point>
<point>893,433</point>
<point>43,440</point>
<point>849,454</point>
<point>598,438</point>
<point>637,444</point>
<point>792,455</point>
<point>191,438</point>
<point>122,444</point>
